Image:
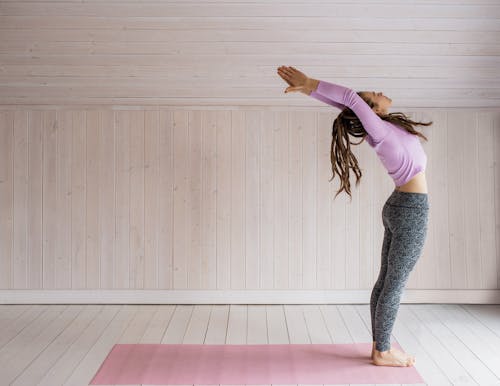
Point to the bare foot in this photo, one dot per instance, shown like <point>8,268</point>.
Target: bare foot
<point>393,357</point>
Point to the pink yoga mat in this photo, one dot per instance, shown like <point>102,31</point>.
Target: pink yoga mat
<point>247,364</point>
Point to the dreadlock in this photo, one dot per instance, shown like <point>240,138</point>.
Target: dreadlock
<point>347,123</point>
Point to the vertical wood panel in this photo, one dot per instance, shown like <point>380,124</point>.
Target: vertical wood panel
<point>252,204</point>
<point>235,274</point>
<point>78,201</point>
<point>20,201</point>
<point>295,200</point>
<point>221,260</point>
<point>106,197</point>
<point>181,200</point>
<point>308,205</point>
<point>122,199</point>
<point>35,203</point>
<point>166,232</point>
<point>281,201</point>
<point>456,197</point>
<point>92,268</point>
<point>208,209</point>
<point>471,202</point>
<point>196,194</point>
<point>136,274</point>
<point>439,216</point>
<point>486,200</point>
<point>152,185</point>
<point>6,198</point>
<point>324,201</point>
<point>63,196</point>
<point>49,194</point>
<point>267,222</point>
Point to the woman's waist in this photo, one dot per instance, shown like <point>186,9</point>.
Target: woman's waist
<point>417,184</point>
<point>409,199</point>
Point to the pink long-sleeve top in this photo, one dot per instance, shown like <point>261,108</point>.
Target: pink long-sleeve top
<point>400,152</point>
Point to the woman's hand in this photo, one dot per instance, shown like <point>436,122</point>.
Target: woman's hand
<point>296,79</point>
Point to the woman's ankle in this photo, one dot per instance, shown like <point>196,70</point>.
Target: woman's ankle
<point>383,351</point>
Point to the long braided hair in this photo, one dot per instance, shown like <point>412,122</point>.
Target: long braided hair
<point>347,123</point>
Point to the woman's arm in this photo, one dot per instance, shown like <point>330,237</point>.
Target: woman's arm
<point>310,89</point>
<point>321,98</point>
<point>373,124</point>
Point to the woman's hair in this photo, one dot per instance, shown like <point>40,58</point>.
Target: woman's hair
<point>347,123</point>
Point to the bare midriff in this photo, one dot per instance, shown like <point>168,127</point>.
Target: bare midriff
<point>418,184</point>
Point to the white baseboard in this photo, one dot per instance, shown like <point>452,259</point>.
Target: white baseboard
<point>60,296</point>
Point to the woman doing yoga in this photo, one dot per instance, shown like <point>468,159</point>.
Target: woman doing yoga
<point>405,213</point>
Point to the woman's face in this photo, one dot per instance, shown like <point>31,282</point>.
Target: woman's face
<point>382,103</point>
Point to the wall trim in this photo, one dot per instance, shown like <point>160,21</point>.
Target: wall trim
<point>453,296</point>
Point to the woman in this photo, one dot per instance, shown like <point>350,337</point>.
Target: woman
<point>405,213</point>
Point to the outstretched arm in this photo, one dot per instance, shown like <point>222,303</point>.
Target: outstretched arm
<point>317,96</point>
<point>297,81</point>
<point>373,124</point>
<point>310,89</point>
<point>331,93</point>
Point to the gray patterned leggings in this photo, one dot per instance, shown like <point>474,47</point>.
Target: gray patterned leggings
<point>405,218</point>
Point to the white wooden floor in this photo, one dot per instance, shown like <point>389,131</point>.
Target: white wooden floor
<point>65,344</point>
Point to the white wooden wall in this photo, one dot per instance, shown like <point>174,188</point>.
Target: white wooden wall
<point>421,53</point>
<point>224,199</point>
<point>149,145</point>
